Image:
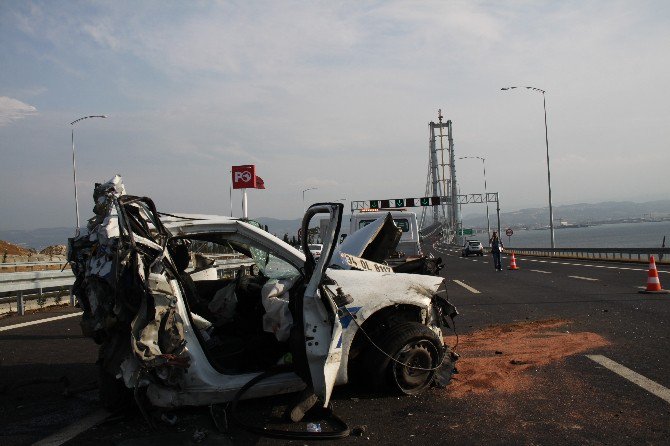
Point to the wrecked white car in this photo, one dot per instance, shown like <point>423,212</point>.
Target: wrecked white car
<point>186,333</point>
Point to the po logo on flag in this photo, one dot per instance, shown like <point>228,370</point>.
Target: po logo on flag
<point>244,177</point>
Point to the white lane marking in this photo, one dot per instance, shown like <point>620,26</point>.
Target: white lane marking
<point>584,278</point>
<point>69,432</point>
<point>40,321</point>
<point>594,266</point>
<point>650,386</point>
<point>467,287</point>
<point>540,271</point>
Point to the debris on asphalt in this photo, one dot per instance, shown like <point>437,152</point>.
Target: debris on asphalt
<point>359,431</point>
<point>199,435</point>
<point>528,345</point>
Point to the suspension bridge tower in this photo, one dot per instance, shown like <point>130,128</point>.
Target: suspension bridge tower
<point>441,178</point>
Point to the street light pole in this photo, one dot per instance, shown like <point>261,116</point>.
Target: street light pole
<point>303,198</point>
<point>488,220</point>
<point>546,139</point>
<point>74,167</point>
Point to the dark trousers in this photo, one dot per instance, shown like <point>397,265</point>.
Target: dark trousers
<point>496,259</point>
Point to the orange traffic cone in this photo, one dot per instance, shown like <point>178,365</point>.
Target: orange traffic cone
<point>512,263</point>
<point>653,284</point>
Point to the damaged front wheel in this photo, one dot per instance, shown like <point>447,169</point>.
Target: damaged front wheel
<point>412,352</point>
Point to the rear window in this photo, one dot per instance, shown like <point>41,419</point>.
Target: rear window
<point>402,223</point>
<point>475,243</point>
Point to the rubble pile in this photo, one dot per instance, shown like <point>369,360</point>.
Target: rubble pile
<point>123,283</point>
<point>54,250</point>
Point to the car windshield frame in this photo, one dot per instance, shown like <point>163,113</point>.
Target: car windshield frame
<point>261,254</point>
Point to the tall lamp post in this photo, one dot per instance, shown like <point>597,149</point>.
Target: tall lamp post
<point>546,139</point>
<point>303,197</point>
<point>74,166</point>
<point>488,220</point>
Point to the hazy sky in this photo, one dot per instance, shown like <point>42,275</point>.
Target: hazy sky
<point>329,94</point>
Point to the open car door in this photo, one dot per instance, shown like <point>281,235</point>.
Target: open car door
<point>322,328</point>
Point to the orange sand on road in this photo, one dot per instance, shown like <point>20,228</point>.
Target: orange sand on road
<point>496,358</point>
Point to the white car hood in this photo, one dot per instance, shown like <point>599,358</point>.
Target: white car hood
<point>372,290</point>
<point>373,242</point>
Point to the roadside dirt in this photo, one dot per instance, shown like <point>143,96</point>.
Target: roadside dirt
<point>11,254</point>
<point>12,249</point>
<point>497,358</point>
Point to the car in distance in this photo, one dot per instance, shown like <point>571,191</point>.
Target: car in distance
<point>472,247</point>
<point>315,249</point>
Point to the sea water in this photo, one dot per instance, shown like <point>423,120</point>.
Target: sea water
<point>616,235</point>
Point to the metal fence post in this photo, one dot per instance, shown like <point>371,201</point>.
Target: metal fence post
<point>20,305</point>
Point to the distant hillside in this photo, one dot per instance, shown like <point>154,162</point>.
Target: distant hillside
<point>39,239</point>
<point>12,249</point>
<point>577,213</point>
<point>281,227</point>
<point>291,227</point>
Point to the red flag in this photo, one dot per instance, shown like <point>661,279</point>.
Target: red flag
<point>244,176</point>
<point>260,184</point>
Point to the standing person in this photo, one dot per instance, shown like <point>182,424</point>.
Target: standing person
<point>496,247</point>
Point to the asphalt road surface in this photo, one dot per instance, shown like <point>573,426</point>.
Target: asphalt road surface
<point>615,393</point>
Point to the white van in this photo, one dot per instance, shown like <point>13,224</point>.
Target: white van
<point>409,243</point>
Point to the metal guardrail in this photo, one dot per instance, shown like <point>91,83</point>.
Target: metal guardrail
<point>22,282</point>
<point>662,255</point>
<point>32,266</point>
<point>225,266</point>
<point>34,280</point>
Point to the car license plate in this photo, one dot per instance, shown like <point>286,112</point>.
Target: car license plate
<point>365,265</point>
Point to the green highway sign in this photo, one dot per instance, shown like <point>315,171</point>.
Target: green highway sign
<point>425,201</point>
<point>399,203</point>
<point>466,232</point>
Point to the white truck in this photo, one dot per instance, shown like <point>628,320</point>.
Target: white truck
<point>409,244</point>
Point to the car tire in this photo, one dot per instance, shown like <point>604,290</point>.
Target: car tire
<point>412,344</point>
